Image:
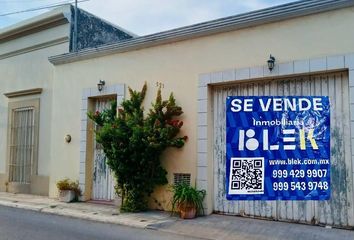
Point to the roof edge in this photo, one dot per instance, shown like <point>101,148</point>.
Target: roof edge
<point>250,19</point>
<point>47,20</point>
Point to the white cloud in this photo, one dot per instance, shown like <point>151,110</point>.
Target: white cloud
<point>149,16</point>
<point>255,4</point>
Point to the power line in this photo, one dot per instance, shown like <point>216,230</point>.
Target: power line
<point>58,4</point>
<point>21,1</point>
<point>37,8</point>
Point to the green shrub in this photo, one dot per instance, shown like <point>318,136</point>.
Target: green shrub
<point>133,144</point>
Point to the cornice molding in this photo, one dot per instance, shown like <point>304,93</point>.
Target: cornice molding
<point>26,92</point>
<point>33,27</point>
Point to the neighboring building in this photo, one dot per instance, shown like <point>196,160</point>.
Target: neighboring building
<point>202,64</point>
<point>26,92</point>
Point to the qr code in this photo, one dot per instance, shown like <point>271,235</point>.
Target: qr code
<point>246,175</point>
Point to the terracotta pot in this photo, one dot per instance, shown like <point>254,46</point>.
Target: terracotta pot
<point>187,212</point>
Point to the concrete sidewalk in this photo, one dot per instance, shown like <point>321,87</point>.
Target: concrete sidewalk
<point>209,227</point>
<point>89,211</point>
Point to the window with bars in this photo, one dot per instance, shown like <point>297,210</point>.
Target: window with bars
<point>22,142</point>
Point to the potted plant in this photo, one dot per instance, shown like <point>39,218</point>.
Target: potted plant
<point>187,200</point>
<point>69,191</point>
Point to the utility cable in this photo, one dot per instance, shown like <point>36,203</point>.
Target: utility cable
<point>58,4</point>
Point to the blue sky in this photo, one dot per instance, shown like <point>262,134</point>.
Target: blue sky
<point>144,16</point>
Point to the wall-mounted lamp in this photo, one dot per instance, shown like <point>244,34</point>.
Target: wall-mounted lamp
<point>271,62</point>
<point>100,85</point>
<point>68,138</point>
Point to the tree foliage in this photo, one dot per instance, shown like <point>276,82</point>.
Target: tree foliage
<point>133,144</point>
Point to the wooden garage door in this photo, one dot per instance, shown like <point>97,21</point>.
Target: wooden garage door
<point>336,211</point>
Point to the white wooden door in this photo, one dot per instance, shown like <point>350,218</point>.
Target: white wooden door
<point>103,180</point>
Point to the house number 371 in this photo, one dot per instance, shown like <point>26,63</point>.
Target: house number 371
<point>160,85</point>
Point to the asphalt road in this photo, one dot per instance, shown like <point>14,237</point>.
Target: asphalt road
<point>18,224</point>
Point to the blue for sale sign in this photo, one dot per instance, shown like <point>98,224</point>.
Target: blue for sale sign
<point>278,148</point>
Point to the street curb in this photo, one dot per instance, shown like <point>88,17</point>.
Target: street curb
<point>48,210</point>
<point>16,204</point>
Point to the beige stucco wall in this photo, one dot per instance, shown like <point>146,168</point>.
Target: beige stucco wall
<point>28,70</point>
<point>178,66</point>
